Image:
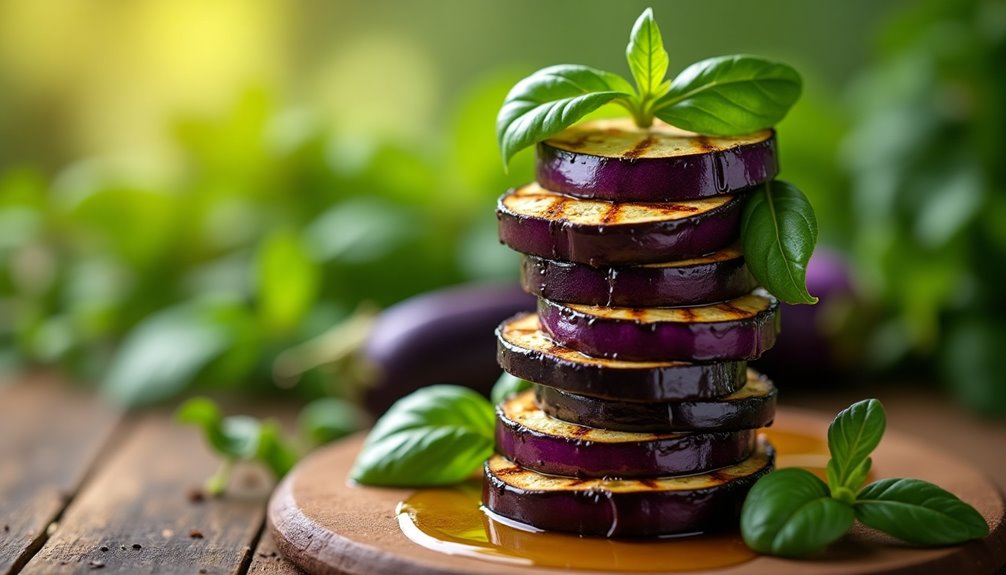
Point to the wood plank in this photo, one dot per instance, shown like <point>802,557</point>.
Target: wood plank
<point>137,516</point>
<point>50,433</point>
<point>268,561</point>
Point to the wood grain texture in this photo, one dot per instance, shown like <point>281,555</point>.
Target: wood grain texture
<point>327,526</point>
<point>136,515</point>
<point>50,435</point>
<point>269,561</point>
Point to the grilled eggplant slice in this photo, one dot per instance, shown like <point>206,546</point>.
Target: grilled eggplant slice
<point>751,407</point>
<point>527,436</point>
<point>719,276</point>
<point>615,160</point>
<point>625,508</point>
<point>526,351</point>
<point>536,221</point>
<point>739,329</point>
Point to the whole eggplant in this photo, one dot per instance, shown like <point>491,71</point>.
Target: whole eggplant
<point>444,336</point>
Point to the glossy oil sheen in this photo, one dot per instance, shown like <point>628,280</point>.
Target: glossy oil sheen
<point>452,521</point>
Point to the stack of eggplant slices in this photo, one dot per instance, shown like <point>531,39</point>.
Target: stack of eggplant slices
<point>643,417</point>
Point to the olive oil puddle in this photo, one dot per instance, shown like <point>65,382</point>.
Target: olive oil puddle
<point>452,521</point>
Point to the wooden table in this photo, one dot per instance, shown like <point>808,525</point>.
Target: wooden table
<point>85,488</point>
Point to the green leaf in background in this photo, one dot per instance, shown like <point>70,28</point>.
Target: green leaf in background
<point>730,95</point>
<point>551,100</point>
<point>328,419</point>
<point>165,352</point>
<point>918,512</point>
<point>360,230</point>
<point>238,438</point>
<point>778,233</point>
<point>790,513</point>
<point>437,435</point>
<point>852,436</point>
<point>288,280</point>
<point>647,57</point>
<point>506,386</point>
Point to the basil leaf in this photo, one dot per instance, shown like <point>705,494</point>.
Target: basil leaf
<point>551,100</point>
<point>437,435</point>
<point>918,512</point>
<point>789,513</point>
<point>506,386</point>
<point>234,437</point>
<point>852,437</point>
<point>730,95</point>
<point>273,450</point>
<point>778,233</point>
<point>647,56</point>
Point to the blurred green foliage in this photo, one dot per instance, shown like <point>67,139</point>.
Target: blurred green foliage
<point>928,197</point>
<point>272,237</point>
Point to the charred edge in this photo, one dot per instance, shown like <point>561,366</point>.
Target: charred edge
<point>648,482</point>
<point>665,207</point>
<point>733,309</point>
<point>639,148</point>
<point>580,431</point>
<point>688,313</point>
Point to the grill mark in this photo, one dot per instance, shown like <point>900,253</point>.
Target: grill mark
<point>555,349</point>
<point>575,482</point>
<point>639,148</point>
<point>689,315</point>
<point>555,210</point>
<point>580,431</point>
<point>703,142</point>
<point>612,215</point>
<point>731,308</point>
<point>664,207</point>
<point>649,483</point>
<point>506,471</point>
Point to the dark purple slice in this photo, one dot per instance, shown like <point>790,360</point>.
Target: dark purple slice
<point>625,508</point>
<point>615,160</point>
<point>739,329</point>
<point>719,276</point>
<point>529,437</point>
<point>525,351</point>
<point>536,221</point>
<point>751,407</point>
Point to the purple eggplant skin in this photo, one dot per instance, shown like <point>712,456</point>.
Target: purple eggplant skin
<point>559,448</point>
<point>648,511</point>
<point>743,410</point>
<point>620,243</point>
<point>734,340</point>
<point>814,347</point>
<point>526,352</point>
<point>720,276</point>
<point>444,336</point>
<point>629,178</point>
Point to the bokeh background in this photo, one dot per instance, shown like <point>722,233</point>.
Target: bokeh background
<point>192,191</point>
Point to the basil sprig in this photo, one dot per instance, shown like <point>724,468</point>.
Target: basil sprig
<point>437,435</point>
<point>792,513</point>
<point>724,96</point>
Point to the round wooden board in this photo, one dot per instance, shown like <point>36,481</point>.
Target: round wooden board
<point>326,526</point>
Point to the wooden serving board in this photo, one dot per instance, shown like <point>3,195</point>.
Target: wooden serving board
<point>327,526</point>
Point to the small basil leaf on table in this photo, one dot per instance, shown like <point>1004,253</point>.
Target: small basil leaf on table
<point>918,512</point>
<point>647,57</point>
<point>437,435</point>
<point>789,513</point>
<point>852,437</point>
<point>730,95</point>
<point>778,234</point>
<point>507,386</point>
<point>551,100</point>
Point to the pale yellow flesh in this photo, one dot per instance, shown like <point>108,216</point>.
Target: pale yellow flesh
<point>534,201</point>
<point>621,138</point>
<point>520,478</point>
<point>525,332</point>
<point>742,308</point>
<point>727,253</point>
